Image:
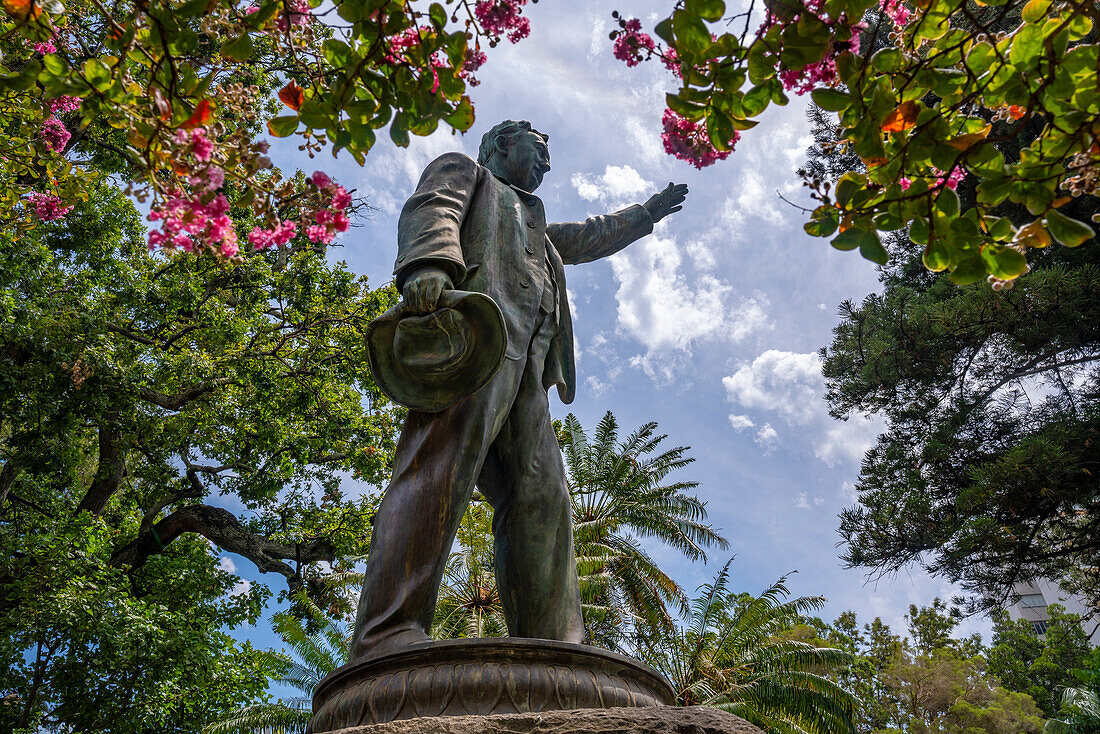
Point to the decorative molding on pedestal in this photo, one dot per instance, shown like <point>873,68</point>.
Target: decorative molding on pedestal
<point>480,677</point>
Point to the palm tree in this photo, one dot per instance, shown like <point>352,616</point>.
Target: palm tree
<point>1080,712</point>
<point>316,654</point>
<point>729,654</point>
<point>469,605</point>
<point>619,495</point>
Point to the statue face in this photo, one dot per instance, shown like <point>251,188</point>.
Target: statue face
<point>526,160</point>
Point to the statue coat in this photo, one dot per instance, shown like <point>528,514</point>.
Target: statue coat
<point>493,238</point>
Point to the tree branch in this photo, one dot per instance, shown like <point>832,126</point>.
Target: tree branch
<point>109,474</point>
<point>175,402</point>
<point>221,527</point>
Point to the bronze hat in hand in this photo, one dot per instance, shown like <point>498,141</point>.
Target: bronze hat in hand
<point>432,361</point>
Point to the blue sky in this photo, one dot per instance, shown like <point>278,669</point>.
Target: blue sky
<point>711,326</point>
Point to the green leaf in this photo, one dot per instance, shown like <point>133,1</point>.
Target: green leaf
<point>948,202</point>
<point>336,51</point>
<point>849,239</point>
<point>870,247</point>
<point>1003,262</point>
<point>970,270</point>
<point>438,16</point>
<point>936,256</point>
<point>711,10</point>
<point>240,48</point>
<point>691,33</point>
<point>757,99</point>
<point>284,126</point>
<point>1027,43</point>
<point>463,116</point>
<point>1067,231</point>
<point>1035,10</point>
<point>684,108</point>
<point>831,100</point>
<point>886,59</point>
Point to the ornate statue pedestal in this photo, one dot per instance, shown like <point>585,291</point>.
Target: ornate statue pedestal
<point>481,677</point>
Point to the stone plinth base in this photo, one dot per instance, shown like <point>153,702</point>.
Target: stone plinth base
<point>481,677</point>
<point>664,720</point>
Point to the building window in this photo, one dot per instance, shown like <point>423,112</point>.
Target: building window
<point>1040,627</point>
<point>1030,601</point>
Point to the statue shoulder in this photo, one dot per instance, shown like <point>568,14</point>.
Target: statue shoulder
<point>449,167</point>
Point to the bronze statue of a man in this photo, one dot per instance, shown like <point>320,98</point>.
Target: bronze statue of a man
<point>476,226</point>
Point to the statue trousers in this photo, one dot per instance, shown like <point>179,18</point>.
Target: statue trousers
<point>502,439</point>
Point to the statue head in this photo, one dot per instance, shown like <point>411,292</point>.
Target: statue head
<point>516,152</point>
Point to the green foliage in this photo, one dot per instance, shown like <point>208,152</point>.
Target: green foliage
<point>319,646</point>
<point>469,605</point>
<point>916,98</point>
<point>735,652</point>
<point>618,490</point>
<point>1039,667</point>
<point>144,403</point>
<point>929,681</point>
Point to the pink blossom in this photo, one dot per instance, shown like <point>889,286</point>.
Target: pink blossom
<point>252,9</point>
<point>897,12</point>
<point>320,179</point>
<point>43,48</point>
<point>263,146</point>
<point>317,233</point>
<point>671,60</point>
<point>340,222</point>
<point>905,183</point>
<point>64,103</point>
<point>202,147</point>
<point>632,46</point>
<point>277,236</point>
<point>323,217</point>
<point>185,218</point>
<point>951,180</point>
<point>55,134</point>
<point>341,199</point>
<point>688,141</point>
<point>295,12</point>
<point>475,57</point>
<point>500,17</point>
<point>47,207</point>
<point>212,177</point>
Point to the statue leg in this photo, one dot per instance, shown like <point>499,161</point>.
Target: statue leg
<point>439,455</point>
<point>524,478</point>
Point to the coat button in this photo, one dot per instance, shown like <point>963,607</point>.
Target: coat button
<point>530,224</point>
<point>530,250</point>
<point>524,283</point>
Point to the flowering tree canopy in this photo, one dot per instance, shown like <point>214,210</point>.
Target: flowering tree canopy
<point>928,95</point>
<point>174,94</point>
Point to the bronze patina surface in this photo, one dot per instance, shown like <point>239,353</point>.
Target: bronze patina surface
<point>483,677</point>
<point>475,226</point>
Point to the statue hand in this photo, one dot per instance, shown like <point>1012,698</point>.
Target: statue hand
<point>423,287</point>
<point>663,203</point>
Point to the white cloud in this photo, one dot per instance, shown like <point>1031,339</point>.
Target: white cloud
<point>848,493</point>
<point>226,564</point>
<point>848,440</point>
<point>802,502</point>
<point>788,383</point>
<point>392,175</point>
<point>701,256</point>
<point>740,422</point>
<point>668,313</point>
<point>596,386</point>
<point>617,184</point>
<point>766,438</point>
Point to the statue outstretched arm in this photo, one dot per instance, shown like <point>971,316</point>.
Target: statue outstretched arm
<point>597,237</point>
